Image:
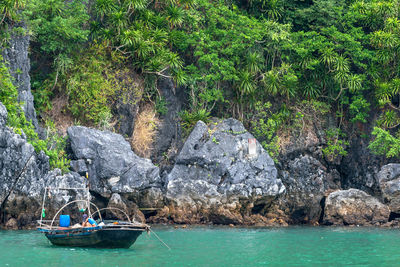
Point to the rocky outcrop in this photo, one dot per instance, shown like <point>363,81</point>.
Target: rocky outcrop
<point>23,176</point>
<point>79,166</point>
<point>168,139</point>
<point>354,207</point>
<point>24,203</point>
<point>360,167</point>
<point>122,208</point>
<point>307,174</point>
<point>55,179</point>
<point>126,106</point>
<point>388,179</point>
<point>21,168</point>
<point>17,61</point>
<point>216,179</point>
<point>112,166</point>
<point>118,178</point>
<point>307,181</point>
<point>3,116</point>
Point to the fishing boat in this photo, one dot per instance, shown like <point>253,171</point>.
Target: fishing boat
<point>122,235</point>
<point>102,233</point>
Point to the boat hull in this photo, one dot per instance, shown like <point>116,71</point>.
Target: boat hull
<point>98,237</point>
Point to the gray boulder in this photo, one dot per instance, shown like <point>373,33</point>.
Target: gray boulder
<point>354,207</point>
<point>113,167</point>
<point>388,179</point>
<point>307,181</point>
<point>79,166</point>
<point>214,168</point>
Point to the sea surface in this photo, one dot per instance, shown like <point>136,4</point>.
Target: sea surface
<point>217,246</point>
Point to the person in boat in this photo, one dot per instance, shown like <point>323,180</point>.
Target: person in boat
<point>86,222</point>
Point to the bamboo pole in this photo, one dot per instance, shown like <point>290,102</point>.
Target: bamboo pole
<point>44,199</point>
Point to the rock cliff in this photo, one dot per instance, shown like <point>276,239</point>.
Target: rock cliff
<point>214,177</point>
<point>17,60</point>
<point>23,176</point>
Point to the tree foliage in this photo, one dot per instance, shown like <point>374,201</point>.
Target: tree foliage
<point>229,56</point>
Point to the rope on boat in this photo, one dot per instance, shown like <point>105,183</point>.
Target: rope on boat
<point>159,238</point>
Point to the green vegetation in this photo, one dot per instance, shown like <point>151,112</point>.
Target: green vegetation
<point>265,125</point>
<point>385,143</point>
<point>273,64</point>
<point>52,146</point>
<point>335,144</point>
<point>189,119</point>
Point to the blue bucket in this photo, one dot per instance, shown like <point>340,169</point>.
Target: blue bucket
<point>91,221</point>
<point>64,221</point>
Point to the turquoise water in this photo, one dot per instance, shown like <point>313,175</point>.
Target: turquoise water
<point>217,246</point>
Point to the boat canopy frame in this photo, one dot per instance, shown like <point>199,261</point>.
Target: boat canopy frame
<point>111,208</point>
<point>72,202</point>
<point>87,201</point>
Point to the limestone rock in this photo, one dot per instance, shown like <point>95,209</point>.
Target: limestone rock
<point>152,197</point>
<point>126,104</point>
<point>168,139</point>
<point>113,166</point>
<point>11,224</point>
<point>55,179</point>
<point>307,181</point>
<point>184,214</point>
<point>3,115</point>
<point>222,215</point>
<point>388,179</point>
<point>24,203</point>
<point>215,169</point>
<point>130,208</point>
<point>17,59</point>
<point>21,168</point>
<point>79,166</point>
<point>354,207</point>
<point>162,216</point>
<point>23,176</point>
<point>360,166</point>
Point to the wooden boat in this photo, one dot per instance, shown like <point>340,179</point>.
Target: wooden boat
<point>121,235</point>
<point>106,234</point>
